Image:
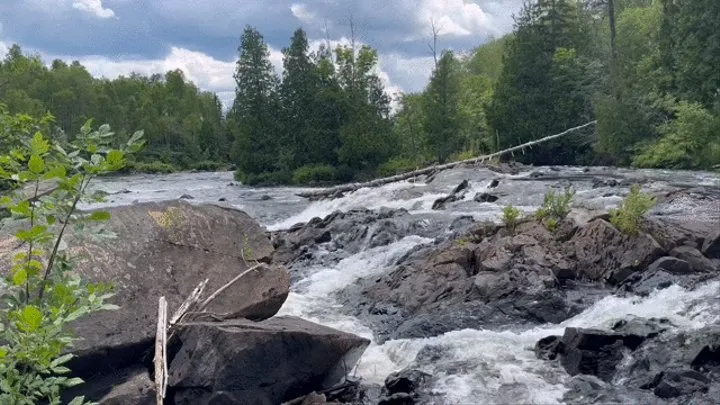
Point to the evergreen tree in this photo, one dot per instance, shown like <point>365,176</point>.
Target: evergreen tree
<point>442,115</point>
<point>254,112</point>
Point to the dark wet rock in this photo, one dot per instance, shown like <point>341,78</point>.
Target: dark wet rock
<point>267,362</point>
<point>400,398</point>
<point>597,183</point>
<point>675,383</point>
<point>548,348</point>
<point>711,245</point>
<point>222,199</point>
<point>131,385</point>
<point>604,253</point>
<point>698,262</point>
<point>265,197</point>
<point>597,352</point>
<point>162,249</point>
<point>457,194</point>
<point>535,175</point>
<point>493,183</point>
<point>485,197</point>
<point>462,223</point>
<point>187,197</point>
<point>406,381</point>
<point>670,264</point>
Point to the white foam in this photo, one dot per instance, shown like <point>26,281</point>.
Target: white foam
<point>369,198</point>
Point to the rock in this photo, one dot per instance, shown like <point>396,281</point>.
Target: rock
<point>549,348</point>
<point>186,197</point>
<point>536,175</point>
<point>272,361</point>
<point>464,185</point>
<point>604,253</point>
<point>137,390</point>
<point>406,381</point>
<point>597,183</point>
<point>162,249</point>
<point>670,264</point>
<point>675,383</point>
<point>711,246</point>
<point>457,194</point>
<point>130,385</point>
<point>222,199</point>
<point>265,197</point>
<point>494,183</point>
<point>485,197</point>
<point>314,398</point>
<point>698,262</point>
<point>400,398</point>
<point>597,352</point>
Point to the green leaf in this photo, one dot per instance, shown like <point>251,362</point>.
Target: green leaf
<point>77,401</point>
<point>73,382</point>
<point>96,159</point>
<point>115,157</point>
<point>135,138</point>
<point>3,352</point>
<point>31,318</point>
<point>20,277</point>
<point>36,164</point>
<point>61,360</point>
<point>100,216</point>
<point>39,145</point>
<point>23,208</point>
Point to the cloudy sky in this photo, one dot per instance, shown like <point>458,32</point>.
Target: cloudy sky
<point>114,37</point>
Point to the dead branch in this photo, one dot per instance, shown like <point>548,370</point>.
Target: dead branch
<point>404,176</point>
<point>214,295</point>
<point>161,371</point>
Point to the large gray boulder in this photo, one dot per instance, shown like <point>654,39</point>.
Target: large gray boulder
<point>268,362</point>
<point>166,249</point>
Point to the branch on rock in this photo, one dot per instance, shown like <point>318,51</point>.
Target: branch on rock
<point>324,193</point>
<point>161,370</point>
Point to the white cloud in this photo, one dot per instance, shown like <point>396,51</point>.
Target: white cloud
<point>205,71</point>
<point>94,7</point>
<point>456,18</point>
<point>302,13</point>
<point>4,48</point>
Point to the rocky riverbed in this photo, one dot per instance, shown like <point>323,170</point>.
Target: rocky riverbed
<point>457,309</point>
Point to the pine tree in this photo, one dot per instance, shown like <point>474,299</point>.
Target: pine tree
<point>442,115</point>
<point>255,109</point>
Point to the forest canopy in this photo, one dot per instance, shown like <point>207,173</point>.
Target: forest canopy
<point>647,70</point>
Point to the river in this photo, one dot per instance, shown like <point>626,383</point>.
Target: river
<point>478,366</point>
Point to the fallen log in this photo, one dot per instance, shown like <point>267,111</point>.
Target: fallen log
<point>404,176</point>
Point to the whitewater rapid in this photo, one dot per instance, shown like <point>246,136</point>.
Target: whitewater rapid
<point>476,366</point>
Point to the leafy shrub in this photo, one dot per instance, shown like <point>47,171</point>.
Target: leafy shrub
<point>40,294</point>
<point>209,166</point>
<point>511,217</point>
<point>397,165</point>
<point>262,179</point>
<point>314,174</point>
<point>151,167</point>
<point>690,141</point>
<point>555,208</point>
<point>628,215</point>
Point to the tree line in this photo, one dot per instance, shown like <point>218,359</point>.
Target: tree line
<point>646,70</point>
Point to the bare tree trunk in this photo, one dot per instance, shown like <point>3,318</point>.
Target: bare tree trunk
<point>477,160</point>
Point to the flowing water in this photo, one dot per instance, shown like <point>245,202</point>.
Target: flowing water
<point>476,366</point>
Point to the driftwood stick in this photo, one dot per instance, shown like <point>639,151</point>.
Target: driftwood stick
<point>189,303</point>
<point>161,352</point>
<point>404,176</point>
<point>214,295</point>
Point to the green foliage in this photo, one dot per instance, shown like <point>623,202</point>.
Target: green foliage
<point>690,141</point>
<point>314,174</point>
<point>398,165</point>
<point>511,217</point>
<point>629,214</point>
<point>442,115</point>
<point>40,294</point>
<point>150,167</point>
<point>182,124</point>
<point>555,208</point>
<point>209,166</point>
